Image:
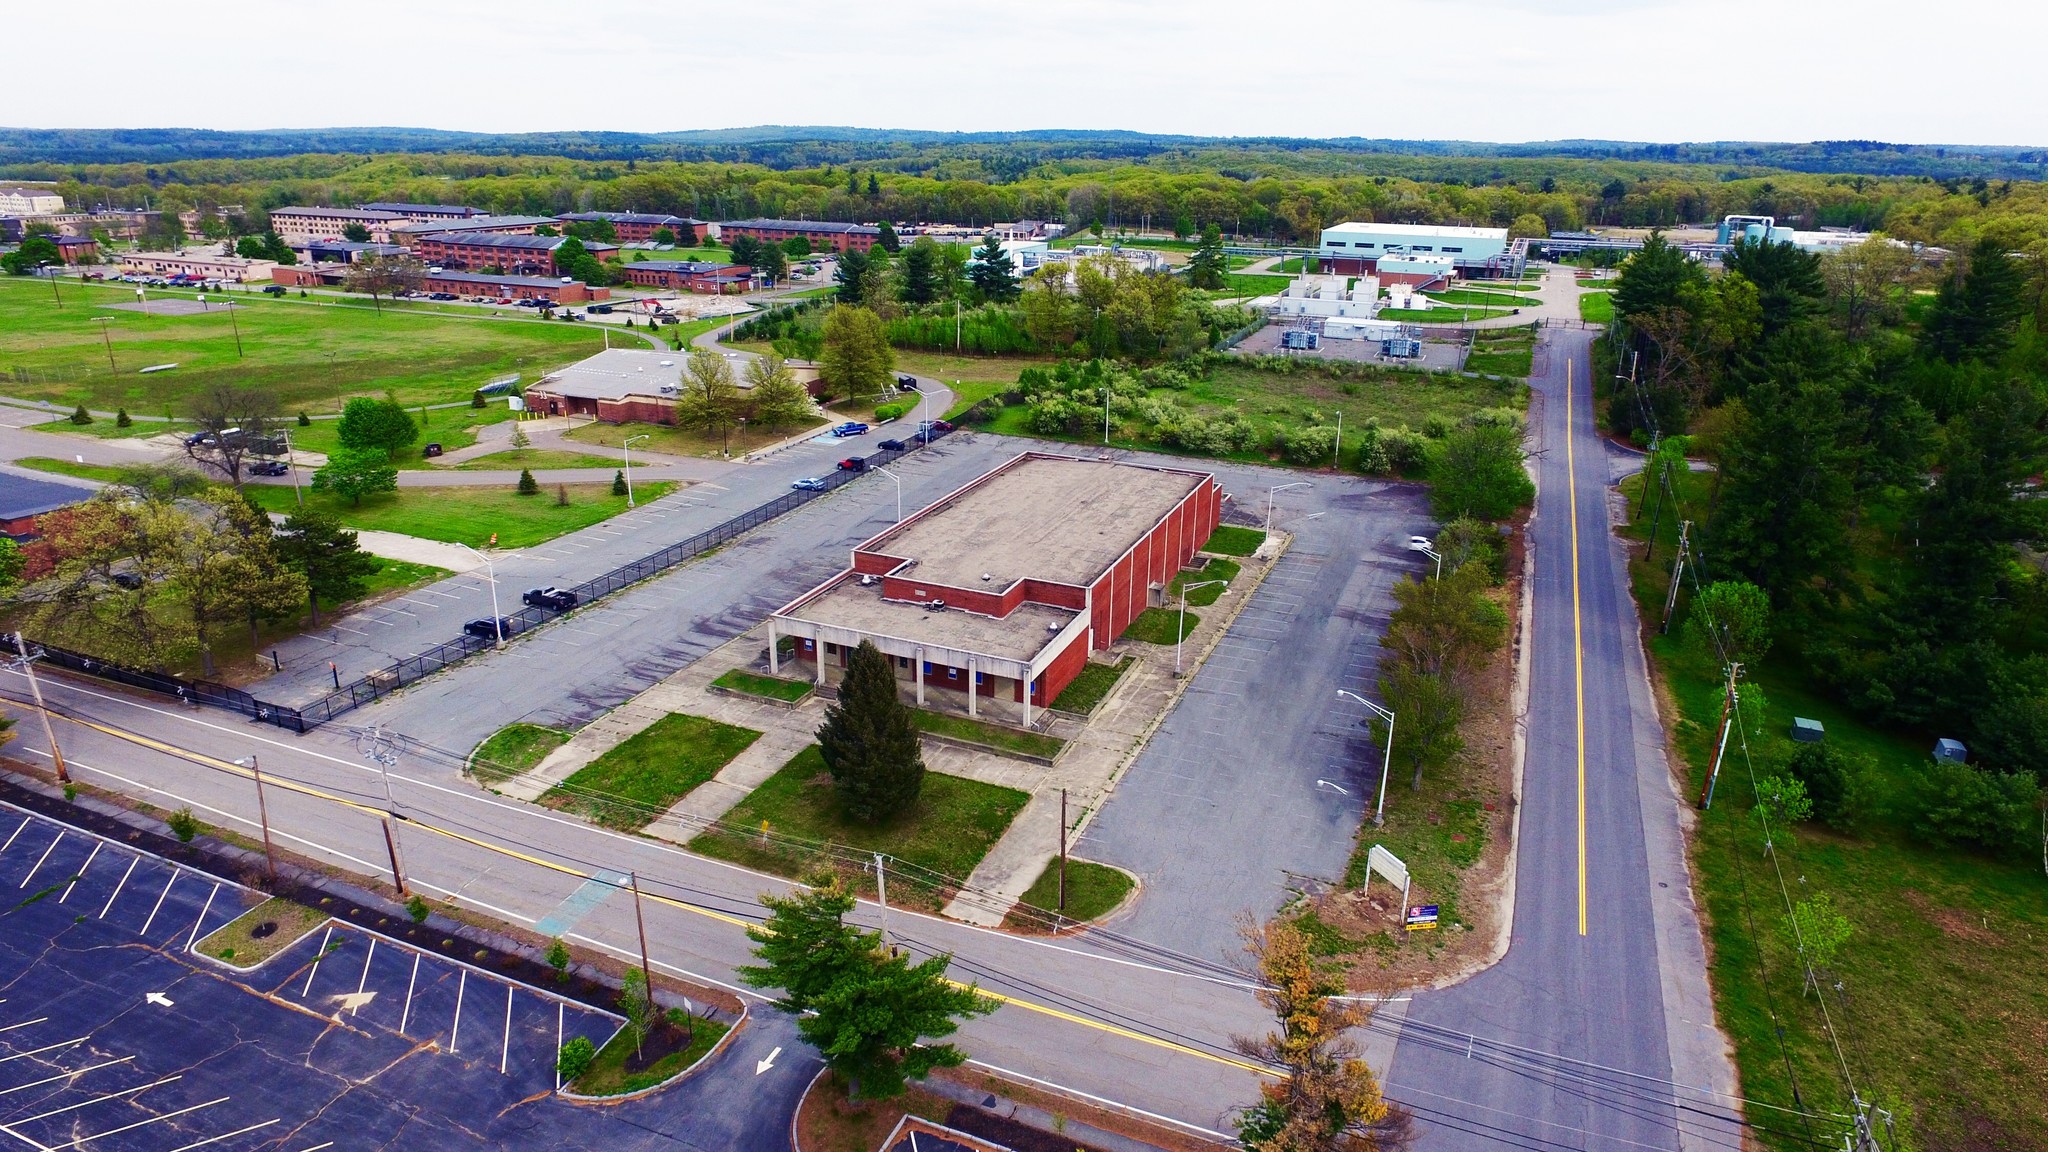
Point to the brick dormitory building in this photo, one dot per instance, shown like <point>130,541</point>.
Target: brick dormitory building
<point>639,227</point>
<point>516,255</point>
<point>690,276</point>
<point>1008,581</point>
<point>822,234</point>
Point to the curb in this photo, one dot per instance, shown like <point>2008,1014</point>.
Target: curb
<point>731,1031</point>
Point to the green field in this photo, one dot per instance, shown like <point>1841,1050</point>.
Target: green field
<point>1162,625</point>
<point>771,687</point>
<point>993,735</point>
<point>1941,994</point>
<point>952,826</point>
<point>514,749</point>
<point>608,1075</point>
<point>1091,686</point>
<point>1597,307</point>
<point>307,353</point>
<point>514,459</point>
<point>1231,540</point>
<point>1224,570</point>
<point>1093,890</point>
<point>659,765</point>
<point>668,440</point>
<point>1502,351</point>
<point>468,515</point>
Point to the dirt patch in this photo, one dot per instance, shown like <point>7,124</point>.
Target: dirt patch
<point>827,1122</point>
<point>1955,923</point>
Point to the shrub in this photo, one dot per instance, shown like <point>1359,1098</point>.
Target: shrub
<point>561,495</point>
<point>1479,473</point>
<point>476,400</point>
<point>305,421</point>
<point>416,907</point>
<point>576,1058</point>
<point>1955,805</point>
<point>1407,451</point>
<point>1372,450</point>
<point>80,416</point>
<point>1463,542</point>
<point>618,483</point>
<point>1436,427</point>
<point>184,825</point>
<point>1835,782</point>
<point>1315,444</point>
<point>121,419</point>
<point>890,411</point>
<point>528,486</point>
<point>558,958</point>
<point>983,412</point>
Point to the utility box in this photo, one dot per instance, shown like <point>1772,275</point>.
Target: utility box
<point>1951,751</point>
<point>1807,731</point>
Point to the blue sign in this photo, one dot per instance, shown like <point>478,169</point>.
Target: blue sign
<point>1421,917</point>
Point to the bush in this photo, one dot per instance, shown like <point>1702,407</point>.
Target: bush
<point>1835,782</point>
<point>1463,542</point>
<point>417,908</point>
<point>890,411</point>
<point>305,421</point>
<point>1372,451</point>
<point>184,825</point>
<point>121,419</point>
<point>1479,474</point>
<point>558,958</point>
<point>1315,444</point>
<point>1407,451</point>
<point>576,1058</point>
<point>80,416</point>
<point>528,486</point>
<point>618,483</point>
<point>983,412</point>
<point>476,400</point>
<point>1955,805</point>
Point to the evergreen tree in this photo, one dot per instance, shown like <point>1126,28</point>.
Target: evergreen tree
<point>1655,278</point>
<point>528,486</point>
<point>1208,268</point>
<point>336,568</point>
<point>745,250</point>
<point>918,272</point>
<point>885,238</point>
<point>1788,282</point>
<point>619,483</point>
<point>853,274</point>
<point>866,1010</point>
<point>869,742</point>
<point>993,273</point>
<point>1976,312</point>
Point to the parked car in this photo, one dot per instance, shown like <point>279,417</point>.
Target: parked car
<point>853,464</point>
<point>431,450</point>
<point>549,597</point>
<point>935,426</point>
<point>893,445</point>
<point>601,309</point>
<point>906,383</point>
<point>809,484</point>
<point>273,290</point>
<point>270,468</point>
<point>483,628</point>
<point>128,580</point>
<point>850,428</point>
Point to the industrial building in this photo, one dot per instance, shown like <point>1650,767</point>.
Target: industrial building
<point>1009,581</point>
<point>640,227</point>
<point>514,253</point>
<point>822,234</point>
<point>616,386</point>
<point>1738,228</point>
<point>690,276</point>
<point>1356,248</point>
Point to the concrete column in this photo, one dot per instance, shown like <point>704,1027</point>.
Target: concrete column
<point>1027,698</point>
<point>917,670</point>
<point>774,662</point>
<point>973,690</point>
<point>818,650</point>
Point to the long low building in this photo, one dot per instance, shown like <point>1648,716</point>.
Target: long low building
<point>640,227</point>
<point>1009,581</point>
<point>1356,249</point>
<point>297,225</point>
<point>822,234</point>
<point>691,276</point>
<point>234,269</point>
<point>516,287</point>
<point>515,254</point>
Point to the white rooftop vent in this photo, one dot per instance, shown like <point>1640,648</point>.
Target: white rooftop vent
<point>668,363</point>
<point>986,577</point>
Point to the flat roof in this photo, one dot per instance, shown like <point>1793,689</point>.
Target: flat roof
<point>1052,518</point>
<point>507,281</point>
<point>1417,230</point>
<point>1019,636</point>
<point>463,209</point>
<point>472,223</point>
<point>516,240</point>
<point>21,496</point>
<point>802,226</point>
<point>337,213</point>
<point>617,373</point>
<point>689,267</point>
<point>631,217</point>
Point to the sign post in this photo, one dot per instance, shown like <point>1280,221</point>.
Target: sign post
<point>1388,865</point>
<point>1420,917</point>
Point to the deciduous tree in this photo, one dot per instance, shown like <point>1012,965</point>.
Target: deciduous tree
<point>777,399</point>
<point>709,401</point>
<point>856,359</point>
<point>232,419</point>
<point>1478,473</point>
<point>376,425</point>
<point>381,276</point>
<point>353,473</point>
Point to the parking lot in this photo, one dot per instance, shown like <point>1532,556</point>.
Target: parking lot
<point>113,1035</point>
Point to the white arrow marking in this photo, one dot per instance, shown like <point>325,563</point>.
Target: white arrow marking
<point>158,998</point>
<point>761,1066</point>
<point>352,1002</point>
<point>1338,787</point>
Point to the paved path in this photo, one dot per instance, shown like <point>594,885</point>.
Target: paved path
<point>1605,969</point>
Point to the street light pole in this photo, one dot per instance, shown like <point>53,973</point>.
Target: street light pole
<point>490,573</point>
<point>899,490</point>
<point>237,326</point>
<point>1280,488</point>
<point>627,447</point>
<point>1105,415</point>
<point>291,468</point>
<point>53,282</point>
<point>35,687</point>
<point>1379,812</point>
<point>107,340</point>
<point>1180,630</point>
<point>262,813</point>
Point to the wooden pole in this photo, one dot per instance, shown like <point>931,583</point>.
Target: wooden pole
<point>1063,852</point>
<point>646,969</point>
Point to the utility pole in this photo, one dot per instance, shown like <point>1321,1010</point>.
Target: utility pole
<point>1721,742</point>
<point>28,664</point>
<point>882,895</point>
<point>646,969</point>
<point>1677,566</point>
<point>390,813</point>
<point>1063,852</point>
<point>263,815</point>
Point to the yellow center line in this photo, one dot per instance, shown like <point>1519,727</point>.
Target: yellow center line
<point>1571,471</point>
<point>308,790</point>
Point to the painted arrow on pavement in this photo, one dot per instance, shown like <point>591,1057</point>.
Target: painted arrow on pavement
<point>158,998</point>
<point>761,1066</point>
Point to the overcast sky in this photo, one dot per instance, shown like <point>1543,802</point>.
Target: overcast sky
<point>1961,72</point>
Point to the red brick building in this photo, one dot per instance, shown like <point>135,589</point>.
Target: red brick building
<point>77,249</point>
<point>639,227</point>
<point>691,276</point>
<point>516,287</point>
<point>1011,580</point>
<point>515,255</point>
<point>823,234</point>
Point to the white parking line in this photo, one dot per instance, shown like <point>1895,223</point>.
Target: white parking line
<point>461,986</point>
<point>194,934</point>
<point>139,1124</point>
<point>10,839</point>
<point>225,1135</point>
<point>64,1075</point>
<point>132,862</point>
<point>410,981</point>
<point>45,1048</point>
<point>80,874</point>
<point>24,1024</point>
<point>364,982</point>
<point>95,1100</point>
<point>39,860</point>
<point>324,938</point>
<point>505,1053</point>
<point>159,903</point>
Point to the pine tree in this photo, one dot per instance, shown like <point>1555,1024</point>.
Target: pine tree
<point>528,486</point>
<point>618,483</point>
<point>80,416</point>
<point>869,743</point>
<point>1207,268</point>
<point>993,272</point>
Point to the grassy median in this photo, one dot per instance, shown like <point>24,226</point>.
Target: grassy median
<point>637,781</point>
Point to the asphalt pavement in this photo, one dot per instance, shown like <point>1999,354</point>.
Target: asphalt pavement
<point>1582,1036</point>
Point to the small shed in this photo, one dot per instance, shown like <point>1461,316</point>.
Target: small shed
<point>1951,751</point>
<point>1807,731</point>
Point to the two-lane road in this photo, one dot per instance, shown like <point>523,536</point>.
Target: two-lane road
<point>1596,1031</point>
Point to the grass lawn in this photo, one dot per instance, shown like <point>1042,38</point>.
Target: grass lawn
<point>1944,985</point>
<point>772,687</point>
<point>952,826</point>
<point>237,942</point>
<point>1202,597</point>
<point>1502,351</point>
<point>607,1075</point>
<point>1231,540</point>
<point>1503,286</point>
<point>993,735</point>
<point>536,458</point>
<point>468,515</point>
<point>514,749</point>
<point>638,780</point>
<point>1255,284</point>
<point>1093,890</point>
<point>304,352</point>
<point>672,441</point>
<point>1158,626</point>
<point>1091,686</point>
<point>1596,307</point>
<point>1444,315</point>
<point>104,473</point>
<point>1478,298</point>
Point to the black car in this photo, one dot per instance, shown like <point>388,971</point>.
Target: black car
<point>892,445</point>
<point>269,468</point>
<point>906,383</point>
<point>549,597</point>
<point>482,629</point>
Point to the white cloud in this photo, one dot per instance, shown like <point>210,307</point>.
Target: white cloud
<point>1466,69</point>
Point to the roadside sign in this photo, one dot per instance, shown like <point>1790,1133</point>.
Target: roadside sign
<point>1388,865</point>
<point>1420,918</point>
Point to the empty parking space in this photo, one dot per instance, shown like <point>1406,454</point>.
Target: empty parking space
<point>116,1037</point>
